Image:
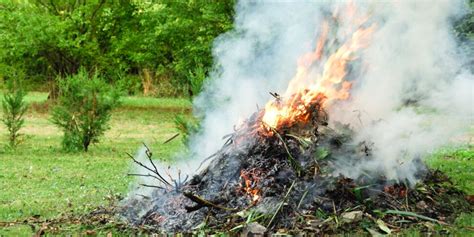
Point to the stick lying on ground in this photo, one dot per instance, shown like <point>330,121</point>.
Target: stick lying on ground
<point>201,202</point>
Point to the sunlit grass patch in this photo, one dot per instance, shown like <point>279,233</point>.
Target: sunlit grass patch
<point>40,179</point>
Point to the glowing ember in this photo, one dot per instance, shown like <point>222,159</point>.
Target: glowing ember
<point>309,87</point>
<point>249,187</point>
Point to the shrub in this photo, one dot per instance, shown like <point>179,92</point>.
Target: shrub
<point>14,108</point>
<point>130,84</point>
<point>83,109</point>
<point>196,80</point>
<point>186,126</point>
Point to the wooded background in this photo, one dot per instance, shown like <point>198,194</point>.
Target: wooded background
<point>158,48</point>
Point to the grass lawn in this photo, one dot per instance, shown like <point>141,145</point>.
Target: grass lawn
<point>39,179</point>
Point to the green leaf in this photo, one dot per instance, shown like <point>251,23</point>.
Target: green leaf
<point>383,226</point>
<point>321,154</point>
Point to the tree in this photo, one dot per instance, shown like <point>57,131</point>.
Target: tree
<point>14,108</point>
<point>166,40</point>
<point>83,109</point>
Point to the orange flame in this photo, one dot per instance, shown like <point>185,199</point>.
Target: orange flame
<point>308,87</point>
<point>250,179</point>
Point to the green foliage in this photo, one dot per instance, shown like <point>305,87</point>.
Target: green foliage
<point>197,78</point>
<point>170,38</point>
<point>321,154</point>
<point>83,110</point>
<point>14,108</point>
<point>174,38</point>
<point>131,84</point>
<point>464,27</point>
<point>186,126</point>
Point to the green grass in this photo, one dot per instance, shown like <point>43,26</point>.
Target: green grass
<point>149,102</point>
<point>458,164</point>
<point>40,179</point>
<point>35,97</point>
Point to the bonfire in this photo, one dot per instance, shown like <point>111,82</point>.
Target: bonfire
<point>274,173</point>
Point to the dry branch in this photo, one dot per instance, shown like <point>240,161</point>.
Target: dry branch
<point>161,179</point>
<point>201,202</point>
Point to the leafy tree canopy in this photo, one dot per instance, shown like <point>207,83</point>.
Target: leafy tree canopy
<point>173,39</point>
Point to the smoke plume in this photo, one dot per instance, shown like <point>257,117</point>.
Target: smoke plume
<point>412,91</point>
<point>416,93</point>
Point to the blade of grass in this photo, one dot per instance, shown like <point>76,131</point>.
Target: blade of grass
<point>413,214</point>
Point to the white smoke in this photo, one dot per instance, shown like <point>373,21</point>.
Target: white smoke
<point>412,91</point>
<point>415,85</point>
<point>413,81</point>
<point>257,57</point>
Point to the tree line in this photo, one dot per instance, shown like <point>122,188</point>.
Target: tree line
<point>154,47</point>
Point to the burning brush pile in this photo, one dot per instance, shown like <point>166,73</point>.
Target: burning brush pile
<point>284,182</point>
<point>276,171</point>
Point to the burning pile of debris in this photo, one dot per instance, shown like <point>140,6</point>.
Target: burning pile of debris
<point>283,181</point>
<point>276,171</point>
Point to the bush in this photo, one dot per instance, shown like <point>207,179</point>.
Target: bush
<point>83,109</point>
<point>130,84</point>
<point>196,80</point>
<point>14,108</point>
<point>186,126</point>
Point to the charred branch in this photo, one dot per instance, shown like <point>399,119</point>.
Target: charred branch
<point>145,175</point>
<point>151,186</point>
<point>159,177</point>
<point>201,202</point>
<point>275,95</point>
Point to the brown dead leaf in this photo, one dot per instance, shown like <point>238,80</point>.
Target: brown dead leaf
<point>470,199</point>
<point>90,232</point>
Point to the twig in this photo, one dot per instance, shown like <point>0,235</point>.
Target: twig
<point>229,141</point>
<point>299,139</point>
<point>177,182</point>
<point>143,196</point>
<point>358,116</point>
<point>302,198</point>
<point>204,161</point>
<point>146,167</point>
<point>171,138</point>
<point>145,175</point>
<point>387,195</point>
<point>149,154</point>
<point>275,95</point>
<point>292,159</point>
<point>335,213</point>
<point>281,204</point>
<point>151,186</point>
<point>203,202</point>
<point>406,196</point>
<point>228,135</point>
<point>412,214</point>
